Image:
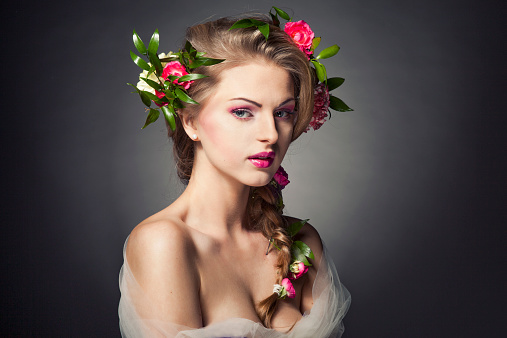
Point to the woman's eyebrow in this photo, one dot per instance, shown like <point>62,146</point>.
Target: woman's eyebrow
<point>247,100</point>
<point>286,101</point>
<point>258,104</point>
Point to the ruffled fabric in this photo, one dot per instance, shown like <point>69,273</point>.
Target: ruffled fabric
<point>331,302</point>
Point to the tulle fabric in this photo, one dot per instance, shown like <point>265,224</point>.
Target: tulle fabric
<point>331,302</point>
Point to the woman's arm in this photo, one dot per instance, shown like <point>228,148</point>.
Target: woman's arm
<point>161,257</point>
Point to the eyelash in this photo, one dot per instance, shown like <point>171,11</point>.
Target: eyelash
<point>288,112</point>
<point>237,111</point>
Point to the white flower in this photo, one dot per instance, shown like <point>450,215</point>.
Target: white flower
<point>141,85</point>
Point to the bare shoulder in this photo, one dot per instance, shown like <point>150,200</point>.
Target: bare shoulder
<point>159,238</point>
<point>310,236</point>
<point>161,255</point>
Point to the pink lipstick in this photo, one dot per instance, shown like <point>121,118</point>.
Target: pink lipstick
<point>263,159</point>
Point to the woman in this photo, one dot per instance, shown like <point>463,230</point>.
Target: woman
<point>217,262</point>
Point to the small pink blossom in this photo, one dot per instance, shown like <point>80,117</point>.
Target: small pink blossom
<point>289,288</point>
<point>320,108</point>
<point>301,34</point>
<point>297,269</point>
<point>281,177</point>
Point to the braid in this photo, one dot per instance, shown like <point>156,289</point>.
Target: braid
<point>266,217</point>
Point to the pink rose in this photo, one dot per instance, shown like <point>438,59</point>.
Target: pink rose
<point>289,288</point>
<point>320,108</point>
<point>301,34</point>
<point>297,269</point>
<point>177,69</point>
<point>281,177</point>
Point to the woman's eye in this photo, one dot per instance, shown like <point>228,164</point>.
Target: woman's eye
<point>241,113</point>
<point>283,114</point>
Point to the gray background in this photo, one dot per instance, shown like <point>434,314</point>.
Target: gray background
<point>407,191</point>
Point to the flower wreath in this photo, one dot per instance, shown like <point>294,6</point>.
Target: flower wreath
<point>167,77</point>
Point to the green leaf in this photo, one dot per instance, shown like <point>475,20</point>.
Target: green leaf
<point>283,294</point>
<point>328,52</point>
<point>140,62</point>
<point>152,117</point>
<point>164,99</point>
<point>243,23</point>
<point>315,43</point>
<point>146,100</point>
<point>334,82</point>
<point>183,60</point>
<point>281,13</point>
<point>272,241</point>
<point>188,46</point>
<point>169,116</point>
<point>257,23</point>
<point>154,41</point>
<point>151,71</point>
<point>305,249</point>
<point>156,62</point>
<point>180,94</point>
<point>264,30</point>
<point>298,255</point>
<point>294,228</point>
<point>192,77</point>
<point>211,61</point>
<point>321,70</point>
<point>153,84</point>
<point>171,78</point>
<point>151,96</point>
<point>338,105</point>
<point>201,61</point>
<point>137,89</point>
<point>177,104</point>
<point>169,94</point>
<point>190,49</point>
<point>276,22</point>
<point>139,43</point>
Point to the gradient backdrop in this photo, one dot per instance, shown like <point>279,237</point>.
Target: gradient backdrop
<point>407,191</point>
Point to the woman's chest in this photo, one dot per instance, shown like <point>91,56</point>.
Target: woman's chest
<point>232,285</point>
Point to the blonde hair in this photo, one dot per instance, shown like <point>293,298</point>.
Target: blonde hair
<point>237,47</point>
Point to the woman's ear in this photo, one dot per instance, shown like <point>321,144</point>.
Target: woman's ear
<point>189,124</point>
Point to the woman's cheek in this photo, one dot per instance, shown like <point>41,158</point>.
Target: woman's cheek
<point>220,134</point>
<point>209,126</point>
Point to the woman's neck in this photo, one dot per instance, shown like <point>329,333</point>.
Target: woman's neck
<point>215,204</point>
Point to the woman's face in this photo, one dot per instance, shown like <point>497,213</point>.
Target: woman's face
<point>245,126</point>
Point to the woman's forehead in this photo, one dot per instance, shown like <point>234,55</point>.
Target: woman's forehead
<point>255,81</point>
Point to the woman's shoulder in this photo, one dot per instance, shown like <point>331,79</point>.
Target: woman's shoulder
<point>160,237</point>
<point>161,256</point>
<point>308,234</point>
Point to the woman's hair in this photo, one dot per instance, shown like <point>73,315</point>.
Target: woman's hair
<point>237,47</point>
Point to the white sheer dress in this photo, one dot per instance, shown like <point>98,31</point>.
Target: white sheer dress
<point>331,302</point>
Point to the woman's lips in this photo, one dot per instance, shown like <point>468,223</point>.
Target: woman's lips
<point>262,160</point>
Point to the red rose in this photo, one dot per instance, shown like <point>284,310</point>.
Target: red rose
<point>281,178</point>
<point>301,34</point>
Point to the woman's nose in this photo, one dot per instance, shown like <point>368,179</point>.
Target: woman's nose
<point>267,131</point>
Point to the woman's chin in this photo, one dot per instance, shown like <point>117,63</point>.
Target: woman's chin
<point>260,181</point>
